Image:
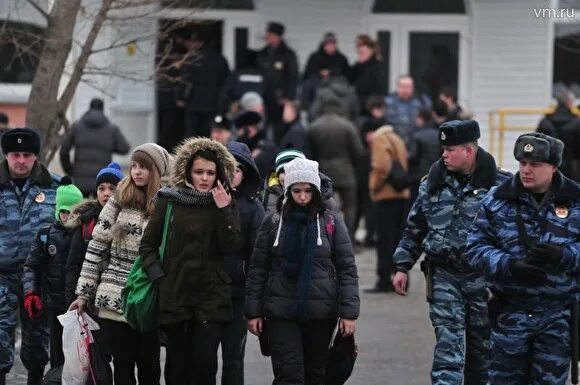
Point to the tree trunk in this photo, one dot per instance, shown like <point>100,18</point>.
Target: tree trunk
<point>44,112</point>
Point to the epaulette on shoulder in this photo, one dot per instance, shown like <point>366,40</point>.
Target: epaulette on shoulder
<point>55,177</point>
<point>503,171</point>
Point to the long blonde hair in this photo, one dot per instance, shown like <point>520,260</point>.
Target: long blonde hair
<point>128,194</point>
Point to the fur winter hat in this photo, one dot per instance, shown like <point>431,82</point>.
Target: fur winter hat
<point>457,132</point>
<point>21,140</point>
<point>158,155</point>
<point>539,147</point>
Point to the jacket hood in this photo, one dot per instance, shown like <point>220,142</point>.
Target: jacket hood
<point>94,118</point>
<point>561,115</point>
<point>483,177</point>
<point>185,151</point>
<point>251,182</point>
<point>564,190</point>
<point>326,187</point>
<point>82,212</point>
<point>332,105</point>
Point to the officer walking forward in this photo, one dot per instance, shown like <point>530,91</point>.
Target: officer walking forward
<point>448,201</point>
<point>27,196</point>
<point>526,240</point>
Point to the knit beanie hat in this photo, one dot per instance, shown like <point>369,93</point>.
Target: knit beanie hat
<point>110,174</point>
<point>67,195</point>
<point>158,155</point>
<point>251,100</point>
<point>300,171</point>
<point>286,156</point>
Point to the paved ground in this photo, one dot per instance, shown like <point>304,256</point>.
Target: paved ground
<point>394,337</point>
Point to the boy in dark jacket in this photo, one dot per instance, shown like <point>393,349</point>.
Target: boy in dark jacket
<point>44,268</point>
<point>246,183</point>
<point>82,220</point>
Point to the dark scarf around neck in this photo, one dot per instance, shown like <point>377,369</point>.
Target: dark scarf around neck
<point>186,196</point>
<point>300,241</point>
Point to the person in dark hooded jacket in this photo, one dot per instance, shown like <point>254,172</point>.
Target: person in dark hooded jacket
<point>195,303</point>
<point>82,220</point>
<point>302,277</point>
<point>245,185</point>
<point>43,280</point>
<point>274,183</point>
<point>563,124</point>
<point>95,140</point>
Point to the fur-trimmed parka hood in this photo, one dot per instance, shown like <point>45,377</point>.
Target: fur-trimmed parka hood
<point>185,151</point>
<point>83,212</point>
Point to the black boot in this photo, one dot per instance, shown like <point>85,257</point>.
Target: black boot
<point>35,377</point>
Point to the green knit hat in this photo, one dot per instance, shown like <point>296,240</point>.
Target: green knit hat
<point>67,195</point>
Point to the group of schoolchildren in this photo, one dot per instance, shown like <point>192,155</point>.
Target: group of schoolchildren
<point>82,261</point>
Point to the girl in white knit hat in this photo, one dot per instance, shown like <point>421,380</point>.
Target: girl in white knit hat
<point>302,278</point>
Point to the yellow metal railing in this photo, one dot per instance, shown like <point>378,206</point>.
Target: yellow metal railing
<point>499,125</point>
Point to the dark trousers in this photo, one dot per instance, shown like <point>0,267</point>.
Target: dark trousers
<point>234,347</point>
<point>171,127</point>
<point>197,123</point>
<point>347,195</point>
<point>35,334</point>
<point>56,354</point>
<point>192,352</point>
<point>129,348</point>
<point>299,350</point>
<point>391,219</point>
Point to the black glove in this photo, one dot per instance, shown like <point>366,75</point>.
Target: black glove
<point>544,254</point>
<point>527,273</point>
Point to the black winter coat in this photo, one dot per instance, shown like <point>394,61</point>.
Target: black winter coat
<point>425,149</point>
<point>336,64</point>
<point>564,125</point>
<point>250,212</point>
<point>82,219</point>
<point>44,269</point>
<point>368,78</point>
<point>295,136</point>
<point>202,79</point>
<point>238,83</point>
<point>334,279</point>
<point>280,68</point>
<point>95,140</point>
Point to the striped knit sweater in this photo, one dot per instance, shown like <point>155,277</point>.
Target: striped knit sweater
<point>110,257</point>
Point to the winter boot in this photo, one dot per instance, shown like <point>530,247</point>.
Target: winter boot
<point>35,377</point>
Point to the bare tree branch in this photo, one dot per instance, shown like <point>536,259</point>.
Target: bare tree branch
<point>39,9</point>
<point>83,58</point>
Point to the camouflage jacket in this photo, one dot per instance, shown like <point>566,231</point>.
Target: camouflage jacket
<point>443,212</point>
<point>494,240</point>
<point>22,214</point>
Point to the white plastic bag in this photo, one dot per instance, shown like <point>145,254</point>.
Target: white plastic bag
<point>76,337</point>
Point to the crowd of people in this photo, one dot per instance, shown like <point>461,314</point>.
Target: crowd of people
<point>249,224</point>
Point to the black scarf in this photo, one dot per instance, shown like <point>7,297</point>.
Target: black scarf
<point>186,196</point>
<point>299,250</point>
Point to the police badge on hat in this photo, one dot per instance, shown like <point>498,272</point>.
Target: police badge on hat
<point>528,148</point>
<point>278,65</point>
<point>561,212</point>
<point>443,136</point>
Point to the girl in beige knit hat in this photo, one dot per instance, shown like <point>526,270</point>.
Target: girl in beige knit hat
<point>109,258</point>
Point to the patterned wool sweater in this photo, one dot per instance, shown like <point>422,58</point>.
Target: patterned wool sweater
<point>110,257</point>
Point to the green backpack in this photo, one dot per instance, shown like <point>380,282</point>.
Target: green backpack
<point>139,297</point>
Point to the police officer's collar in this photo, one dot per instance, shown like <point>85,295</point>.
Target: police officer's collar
<point>39,175</point>
<point>564,190</point>
<point>483,177</point>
